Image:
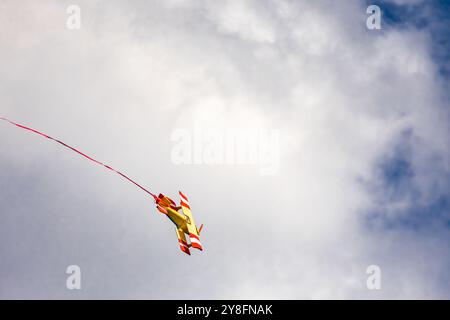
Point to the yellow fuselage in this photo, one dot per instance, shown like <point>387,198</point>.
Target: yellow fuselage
<point>178,219</point>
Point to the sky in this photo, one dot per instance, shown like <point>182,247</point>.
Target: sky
<point>347,167</point>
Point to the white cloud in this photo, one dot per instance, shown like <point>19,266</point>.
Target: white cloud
<point>340,95</point>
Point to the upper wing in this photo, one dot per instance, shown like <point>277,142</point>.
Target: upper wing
<point>190,223</point>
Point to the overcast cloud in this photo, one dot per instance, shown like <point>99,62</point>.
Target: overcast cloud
<point>363,151</point>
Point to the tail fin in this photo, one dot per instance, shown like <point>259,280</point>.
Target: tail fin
<point>161,209</point>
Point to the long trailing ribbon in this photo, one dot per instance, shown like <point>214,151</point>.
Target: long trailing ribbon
<point>79,152</point>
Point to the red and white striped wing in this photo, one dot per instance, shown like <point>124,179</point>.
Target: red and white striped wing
<point>193,233</point>
<point>195,241</point>
<point>184,246</point>
<point>184,202</point>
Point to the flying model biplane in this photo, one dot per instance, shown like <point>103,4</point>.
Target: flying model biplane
<point>184,221</point>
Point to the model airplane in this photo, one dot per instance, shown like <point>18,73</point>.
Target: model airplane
<point>183,221</point>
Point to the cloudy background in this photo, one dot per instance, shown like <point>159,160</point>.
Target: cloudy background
<point>364,167</point>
